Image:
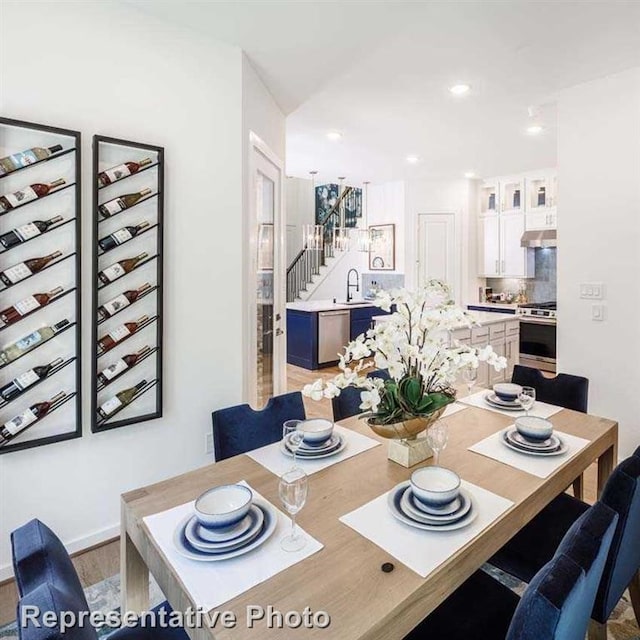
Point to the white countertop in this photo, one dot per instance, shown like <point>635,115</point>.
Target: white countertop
<point>313,306</point>
<point>483,318</point>
<point>494,305</point>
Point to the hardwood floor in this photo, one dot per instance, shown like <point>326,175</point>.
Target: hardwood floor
<point>101,562</point>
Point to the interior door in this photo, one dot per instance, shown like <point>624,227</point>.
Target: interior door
<point>267,348</point>
<point>437,249</point>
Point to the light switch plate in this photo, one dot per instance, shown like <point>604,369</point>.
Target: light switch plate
<point>597,312</point>
<point>208,442</point>
<point>592,291</point>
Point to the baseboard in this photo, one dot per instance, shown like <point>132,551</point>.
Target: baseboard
<point>79,545</point>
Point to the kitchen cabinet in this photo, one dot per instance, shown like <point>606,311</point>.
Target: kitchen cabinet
<point>489,196</point>
<point>512,194</point>
<point>541,200</point>
<point>540,220</point>
<point>500,253</point>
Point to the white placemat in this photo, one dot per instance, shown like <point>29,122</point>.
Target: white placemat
<point>540,466</point>
<point>540,409</point>
<point>210,584</point>
<point>423,551</point>
<point>272,458</point>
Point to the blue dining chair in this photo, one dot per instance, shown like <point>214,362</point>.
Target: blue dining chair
<point>47,581</point>
<point>564,390</point>
<point>348,403</point>
<point>240,429</point>
<point>533,545</point>
<point>555,605</point>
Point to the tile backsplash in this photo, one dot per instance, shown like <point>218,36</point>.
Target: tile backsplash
<point>386,281</point>
<point>542,288</point>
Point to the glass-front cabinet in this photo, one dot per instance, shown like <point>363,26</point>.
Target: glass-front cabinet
<point>542,196</point>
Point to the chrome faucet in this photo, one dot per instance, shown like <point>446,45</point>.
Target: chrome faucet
<point>350,284</point>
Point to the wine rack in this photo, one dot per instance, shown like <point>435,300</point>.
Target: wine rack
<point>39,345</point>
<point>147,307</point>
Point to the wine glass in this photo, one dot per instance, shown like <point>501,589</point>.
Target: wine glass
<point>527,398</point>
<point>437,438</point>
<point>470,376</point>
<point>293,489</point>
<point>292,436</point>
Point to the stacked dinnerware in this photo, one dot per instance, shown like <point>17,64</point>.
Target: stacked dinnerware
<point>505,396</point>
<point>318,440</point>
<point>432,500</point>
<point>228,522</point>
<point>534,436</point>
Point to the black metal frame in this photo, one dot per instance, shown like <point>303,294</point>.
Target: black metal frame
<point>98,424</point>
<point>77,321</point>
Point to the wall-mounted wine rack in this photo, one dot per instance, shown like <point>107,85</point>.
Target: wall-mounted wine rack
<point>40,367</point>
<point>128,210</point>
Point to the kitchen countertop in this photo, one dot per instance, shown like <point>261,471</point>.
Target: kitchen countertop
<point>494,305</point>
<point>314,306</point>
<point>483,318</point>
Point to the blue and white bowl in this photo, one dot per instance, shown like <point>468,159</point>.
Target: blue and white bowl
<point>507,391</point>
<point>223,506</point>
<point>534,428</point>
<point>315,432</point>
<point>435,486</point>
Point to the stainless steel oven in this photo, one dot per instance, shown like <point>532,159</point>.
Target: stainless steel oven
<point>538,343</point>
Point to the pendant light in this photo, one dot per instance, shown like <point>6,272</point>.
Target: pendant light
<point>341,238</point>
<point>360,236</point>
<point>312,234</point>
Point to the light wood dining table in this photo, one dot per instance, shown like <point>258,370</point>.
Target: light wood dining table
<point>345,578</point>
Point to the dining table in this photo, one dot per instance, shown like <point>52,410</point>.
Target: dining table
<point>366,591</point>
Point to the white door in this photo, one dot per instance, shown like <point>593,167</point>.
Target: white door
<point>437,249</point>
<point>489,246</point>
<point>514,257</point>
<point>266,373</point>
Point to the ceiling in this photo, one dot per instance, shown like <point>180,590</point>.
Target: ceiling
<point>378,72</point>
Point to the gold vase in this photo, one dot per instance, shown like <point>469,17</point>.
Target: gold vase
<point>406,429</point>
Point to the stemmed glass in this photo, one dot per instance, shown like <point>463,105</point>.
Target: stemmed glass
<point>437,438</point>
<point>292,436</point>
<point>527,398</point>
<point>470,376</point>
<point>293,490</point>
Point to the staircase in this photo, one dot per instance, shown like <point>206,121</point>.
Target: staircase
<point>310,263</point>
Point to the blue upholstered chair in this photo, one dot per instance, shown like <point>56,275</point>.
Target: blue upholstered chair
<point>555,605</point>
<point>47,581</point>
<point>532,547</point>
<point>564,390</point>
<point>240,429</point>
<point>347,404</point>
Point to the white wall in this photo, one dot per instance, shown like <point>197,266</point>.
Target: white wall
<point>599,237</point>
<point>118,72</point>
<point>445,196</point>
<point>299,210</point>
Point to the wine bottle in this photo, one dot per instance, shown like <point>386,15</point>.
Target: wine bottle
<point>26,194</point>
<point>119,334</point>
<point>119,366</point>
<point>121,236</point>
<point>25,344</point>
<point>120,400</point>
<point>121,203</point>
<point>21,422</point>
<point>25,380</point>
<point>23,307</point>
<point>27,231</point>
<point>120,302</point>
<point>121,171</point>
<point>115,271</point>
<point>25,158</point>
<point>27,268</point>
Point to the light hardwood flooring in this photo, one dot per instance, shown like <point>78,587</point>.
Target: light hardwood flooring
<point>101,562</point>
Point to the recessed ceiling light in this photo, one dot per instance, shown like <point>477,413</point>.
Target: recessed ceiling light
<point>459,89</point>
<point>413,159</point>
<point>535,129</point>
<point>334,135</point>
<point>469,174</point>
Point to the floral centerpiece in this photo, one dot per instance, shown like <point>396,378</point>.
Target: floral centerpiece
<point>413,346</point>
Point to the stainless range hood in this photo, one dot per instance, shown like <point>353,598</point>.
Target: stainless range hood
<point>536,239</point>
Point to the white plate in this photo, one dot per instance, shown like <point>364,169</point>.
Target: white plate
<point>446,510</point>
<point>225,533</point>
<point>185,549</point>
<point>560,452</point>
<point>332,452</point>
<point>393,502</point>
<point>494,401</point>
<point>517,438</point>
<point>332,442</point>
<point>409,508</point>
<point>192,533</point>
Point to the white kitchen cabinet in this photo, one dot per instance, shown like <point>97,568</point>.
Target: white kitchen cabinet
<point>541,190</point>
<point>512,194</point>
<point>497,376</point>
<point>489,197</point>
<point>500,253</point>
<point>512,354</point>
<point>540,220</point>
